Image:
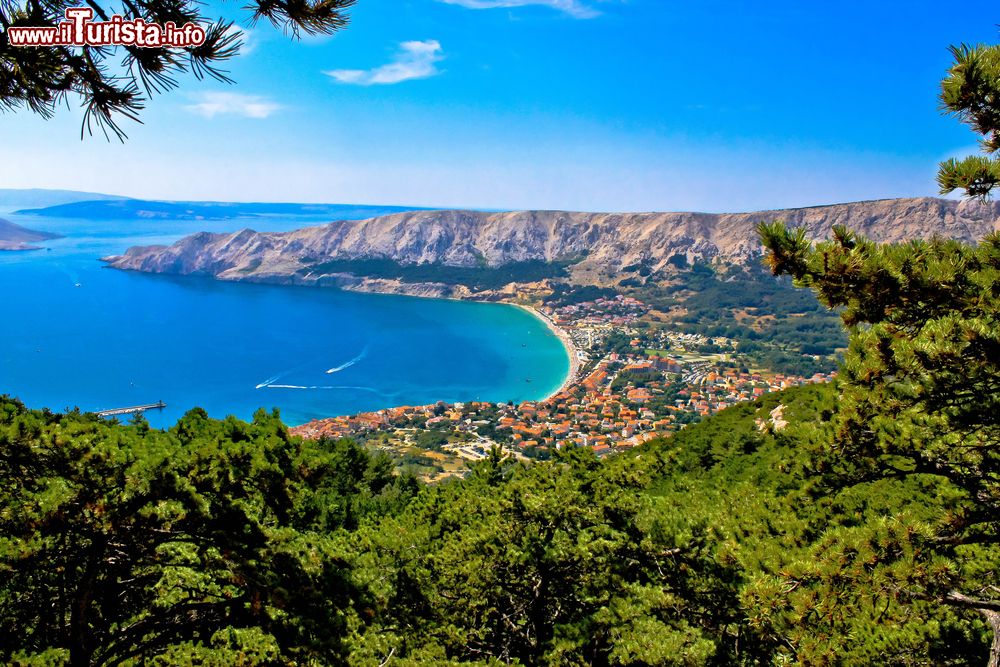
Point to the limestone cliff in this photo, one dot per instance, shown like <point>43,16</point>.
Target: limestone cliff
<point>598,244</point>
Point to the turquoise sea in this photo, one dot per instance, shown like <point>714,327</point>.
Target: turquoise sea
<point>76,334</point>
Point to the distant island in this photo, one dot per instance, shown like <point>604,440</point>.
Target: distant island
<point>106,208</point>
<point>15,237</point>
<point>14,198</point>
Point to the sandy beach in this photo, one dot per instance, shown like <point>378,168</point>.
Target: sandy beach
<point>574,359</point>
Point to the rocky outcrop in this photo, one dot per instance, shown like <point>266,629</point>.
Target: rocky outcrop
<point>15,237</point>
<point>600,244</point>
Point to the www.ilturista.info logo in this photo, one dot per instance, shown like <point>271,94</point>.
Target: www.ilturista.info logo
<point>79,29</point>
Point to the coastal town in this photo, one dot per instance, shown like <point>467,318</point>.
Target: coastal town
<point>627,384</point>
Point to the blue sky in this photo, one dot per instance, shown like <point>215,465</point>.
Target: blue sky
<point>613,105</point>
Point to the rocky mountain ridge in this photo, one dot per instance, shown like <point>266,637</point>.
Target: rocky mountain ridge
<point>598,245</point>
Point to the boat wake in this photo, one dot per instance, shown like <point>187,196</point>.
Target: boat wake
<point>348,364</point>
<point>272,382</point>
<point>267,383</point>
<point>322,387</point>
<point>292,386</point>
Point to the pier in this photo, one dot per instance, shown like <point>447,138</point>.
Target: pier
<point>136,409</point>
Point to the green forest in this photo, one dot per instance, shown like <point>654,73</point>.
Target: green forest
<point>474,277</point>
<point>782,328</point>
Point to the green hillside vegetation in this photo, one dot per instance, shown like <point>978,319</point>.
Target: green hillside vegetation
<point>474,277</point>
<point>568,295</point>
<point>214,541</point>
<point>775,323</point>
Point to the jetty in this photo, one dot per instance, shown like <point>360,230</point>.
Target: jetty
<point>135,409</point>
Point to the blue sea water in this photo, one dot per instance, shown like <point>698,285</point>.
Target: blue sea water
<point>76,334</point>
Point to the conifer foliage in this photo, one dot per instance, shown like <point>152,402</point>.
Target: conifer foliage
<point>971,91</point>
<point>112,89</point>
<point>919,405</point>
<point>919,400</point>
<point>920,397</point>
<point>211,543</point>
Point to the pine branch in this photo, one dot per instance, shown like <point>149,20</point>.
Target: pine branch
<point>39,79</point>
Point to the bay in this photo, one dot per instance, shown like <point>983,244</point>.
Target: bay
<point>76,334</point>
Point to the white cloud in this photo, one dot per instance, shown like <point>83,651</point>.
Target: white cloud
<point>572,7</point>
<point>246,37</point>
<point>210,105</point>
<point>414,61</point>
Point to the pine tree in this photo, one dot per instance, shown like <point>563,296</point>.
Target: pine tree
<point>212,543</point>
<point>971,91</point>
<point>41,78</point>
<point>920,397</point>
<point>920,400</point>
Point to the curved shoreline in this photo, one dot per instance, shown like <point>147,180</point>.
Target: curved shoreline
<point>566,340</point>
